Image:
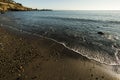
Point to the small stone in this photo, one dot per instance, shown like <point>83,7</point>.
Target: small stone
<point>20,39</point>
<point>34,77</point>
<point>1,45</point>
<point>26,76</point>
<point>18,78</point>
<point>21,68</point>
<point>19,74</point>
<point>1,25</point>
<point>91,75</point>
<point>102,77</point>
<point>96,78</point>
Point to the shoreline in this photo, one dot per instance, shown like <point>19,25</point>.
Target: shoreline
<point>17,31</point>
<point>28,57</point>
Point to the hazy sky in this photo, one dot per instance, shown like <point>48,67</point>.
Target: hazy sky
<point>73,4</point>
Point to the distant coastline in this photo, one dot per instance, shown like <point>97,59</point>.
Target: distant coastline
<point>41,10</point>
<point>45,10</point>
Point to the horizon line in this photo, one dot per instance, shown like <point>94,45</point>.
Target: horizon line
<point>85,9</point>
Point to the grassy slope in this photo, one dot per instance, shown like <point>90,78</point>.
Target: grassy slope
<point>12,6</point>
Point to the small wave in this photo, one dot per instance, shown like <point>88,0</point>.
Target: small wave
<point>117,50</point>
<point>83,20</point>
<point>98,57</point>
<point>83,51</point>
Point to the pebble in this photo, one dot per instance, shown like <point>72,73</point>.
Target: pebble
<point>1,25</point>
<point>19,75</point>
<point>34,77</point>
<point>21,68</point>
<point>18,78</point>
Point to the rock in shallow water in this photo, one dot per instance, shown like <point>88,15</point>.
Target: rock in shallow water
<point>100,33</point>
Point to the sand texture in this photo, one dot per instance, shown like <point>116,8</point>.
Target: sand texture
<point>27,57</point>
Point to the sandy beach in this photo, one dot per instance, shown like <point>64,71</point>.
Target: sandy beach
<point>27,57</point>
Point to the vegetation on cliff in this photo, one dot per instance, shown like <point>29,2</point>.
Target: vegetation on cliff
<point>10,5</point>
<point>9,1</point>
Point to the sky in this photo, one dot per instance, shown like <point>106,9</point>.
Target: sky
<point>72,4</point>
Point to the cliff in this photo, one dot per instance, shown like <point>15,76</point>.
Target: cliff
<point>10,5</point>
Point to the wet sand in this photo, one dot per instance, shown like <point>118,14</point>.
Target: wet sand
<point>27,57</point>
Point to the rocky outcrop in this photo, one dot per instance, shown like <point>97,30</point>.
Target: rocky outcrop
<point>13,6</point>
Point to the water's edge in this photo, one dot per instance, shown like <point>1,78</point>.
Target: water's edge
<point>34,34</point>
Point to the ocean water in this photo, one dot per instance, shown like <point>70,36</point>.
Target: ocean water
<point>76,30</point>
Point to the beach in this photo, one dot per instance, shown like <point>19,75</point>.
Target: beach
<point>47,41</point>
<point>28,57</point>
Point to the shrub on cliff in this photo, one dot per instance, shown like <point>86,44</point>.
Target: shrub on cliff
<point>8,1</point>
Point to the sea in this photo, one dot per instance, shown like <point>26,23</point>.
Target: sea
<point>93,34</point>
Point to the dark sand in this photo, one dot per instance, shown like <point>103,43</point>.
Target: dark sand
<point>27,57</point>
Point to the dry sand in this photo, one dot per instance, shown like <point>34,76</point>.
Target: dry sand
<point>27,57</point>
